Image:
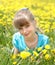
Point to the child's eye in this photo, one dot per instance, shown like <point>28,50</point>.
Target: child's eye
<point>20,28</point>
<point>27,26</point>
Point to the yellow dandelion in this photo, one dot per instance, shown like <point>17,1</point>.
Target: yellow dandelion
<point>53,51</point>
<point>44,51</point>
<point>39,49</point>
<point>47,46</point>
<point>24,54</point>
<point>47,57</point>
<point>35,53</point>
<point>18,54</point>
<point>46,30</point>
<point>32,58</point>
<point>14,56</point>
<point>54,60</point>
<point>9,19</point>
<point>14,62</point>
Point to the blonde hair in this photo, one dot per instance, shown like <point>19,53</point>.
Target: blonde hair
<point>26,15</point>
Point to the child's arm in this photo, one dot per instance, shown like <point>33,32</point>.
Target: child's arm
<point>16,51</point>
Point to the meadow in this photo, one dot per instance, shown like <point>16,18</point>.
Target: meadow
<point>44,13</point>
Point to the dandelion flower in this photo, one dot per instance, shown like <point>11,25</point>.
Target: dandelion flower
<point>14,56</point>
<point>44,51</point>
<point>32,58</point>
<point>14,62</point>
<point>54,60</point>
<point>35,53</point>
<point>47,46</point>
<point>47,57</point>
<point>39,49</point>
<point>53,51</point>
<point>18,54</point>
<point>24,54</point>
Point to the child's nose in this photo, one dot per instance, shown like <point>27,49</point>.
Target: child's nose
<point>24,30</point>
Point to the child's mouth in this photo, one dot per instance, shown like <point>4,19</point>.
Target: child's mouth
<point>27,34</point>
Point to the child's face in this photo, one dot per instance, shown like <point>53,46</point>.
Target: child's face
<point>27,30</point>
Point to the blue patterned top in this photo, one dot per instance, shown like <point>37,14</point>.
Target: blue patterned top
<point>19,42</point>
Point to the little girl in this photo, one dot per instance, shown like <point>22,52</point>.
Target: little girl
<point>27,35</point>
